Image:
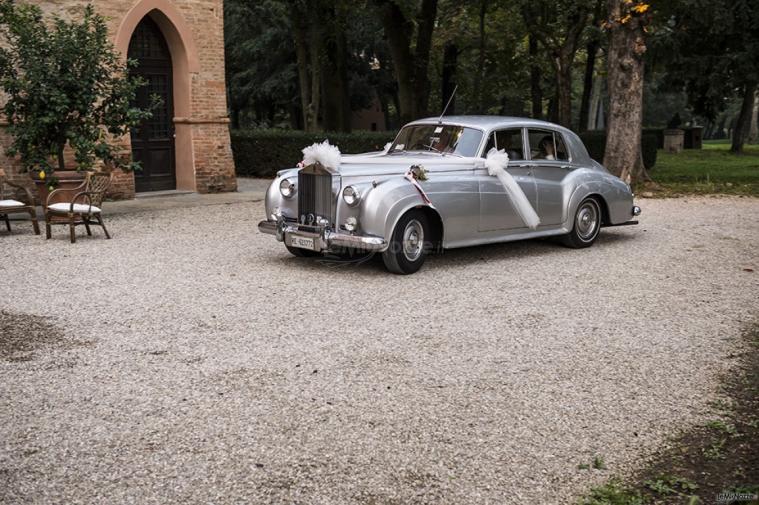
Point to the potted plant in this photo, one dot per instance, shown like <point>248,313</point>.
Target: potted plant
<point>69,96</point>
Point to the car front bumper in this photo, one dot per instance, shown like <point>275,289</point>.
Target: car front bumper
<point>323,238</point>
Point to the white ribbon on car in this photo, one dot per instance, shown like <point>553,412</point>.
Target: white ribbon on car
<point>496,162</point>
<point>411,176</point>
<point>324,153</point>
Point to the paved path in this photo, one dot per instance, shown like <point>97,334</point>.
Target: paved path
<point>192,360</point>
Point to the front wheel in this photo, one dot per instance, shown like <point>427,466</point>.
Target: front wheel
<point>406,252</point>
<point>586,225</point>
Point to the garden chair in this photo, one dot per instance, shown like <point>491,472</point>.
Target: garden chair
<point>82,206</point>
<point>9,205</point>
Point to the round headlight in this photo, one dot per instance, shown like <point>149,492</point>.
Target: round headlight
<point>351,196</point>
<point>287,188</point>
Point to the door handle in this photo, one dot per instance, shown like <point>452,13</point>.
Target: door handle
<point>566,167</point>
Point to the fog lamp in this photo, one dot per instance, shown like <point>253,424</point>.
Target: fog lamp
<point>351,224</point>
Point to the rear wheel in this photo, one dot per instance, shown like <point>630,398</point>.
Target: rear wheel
<point>407,249</point>
<point>586,225</point>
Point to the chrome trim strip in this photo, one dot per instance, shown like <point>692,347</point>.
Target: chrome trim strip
<point>325,239</point>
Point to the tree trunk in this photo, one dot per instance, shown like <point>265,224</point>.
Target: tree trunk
<point>315,53</point>
<point>535,90</point>
<point>426,25</point>
<point>336,114</point>
<point>753,131</point>
<point>563,68</point>
<point>594,111</point>
<point>743,123</point>
<point>301,56</point>
<point>398,31</point>
<point>62,155</point>
<point>448,81</point>
<point>590,66</point>
<point>627,45</point>
<point>480,59</point>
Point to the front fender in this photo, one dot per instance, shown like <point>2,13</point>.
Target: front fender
<point>386,203</point>
<point>275,200</point>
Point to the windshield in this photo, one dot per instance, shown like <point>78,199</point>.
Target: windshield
<point>444,139</point>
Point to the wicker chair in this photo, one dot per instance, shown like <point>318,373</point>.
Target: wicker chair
<point>8,205</point>
<point>82,207</point>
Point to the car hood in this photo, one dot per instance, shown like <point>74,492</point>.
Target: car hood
<point>391,164</point>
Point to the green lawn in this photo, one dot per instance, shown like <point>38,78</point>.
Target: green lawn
<point>712,169</point>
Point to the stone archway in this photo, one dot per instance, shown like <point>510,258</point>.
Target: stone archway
<point>184,60</point>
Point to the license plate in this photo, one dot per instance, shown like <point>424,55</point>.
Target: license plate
<point>302,242</point>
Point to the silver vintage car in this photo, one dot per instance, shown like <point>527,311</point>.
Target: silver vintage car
<point>438,186</point>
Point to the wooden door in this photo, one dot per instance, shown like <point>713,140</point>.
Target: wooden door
<point>153,140</point>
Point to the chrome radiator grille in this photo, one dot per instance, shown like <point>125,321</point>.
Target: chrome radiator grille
<point>315,197</point>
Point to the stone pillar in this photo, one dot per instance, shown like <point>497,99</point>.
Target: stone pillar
<point>674,140</point>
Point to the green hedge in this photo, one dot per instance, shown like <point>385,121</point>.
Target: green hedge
<point>262,153</point>
<point>595,142</point>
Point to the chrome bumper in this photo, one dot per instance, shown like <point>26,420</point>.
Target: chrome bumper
<point>324,238</point>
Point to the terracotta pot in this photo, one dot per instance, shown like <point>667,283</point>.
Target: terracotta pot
<point>67,179</point>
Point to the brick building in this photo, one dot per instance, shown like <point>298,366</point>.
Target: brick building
<point>179,45</point>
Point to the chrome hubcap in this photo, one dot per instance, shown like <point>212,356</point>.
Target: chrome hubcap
<point>413,240</point>
<point>587,220</point>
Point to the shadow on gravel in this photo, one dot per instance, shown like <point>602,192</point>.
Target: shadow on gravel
<point>22,334</point>
<point>372,264</point>
<point>714,463</point>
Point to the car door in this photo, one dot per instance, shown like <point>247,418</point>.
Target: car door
<point>551,165</point>
<point>496,209</point>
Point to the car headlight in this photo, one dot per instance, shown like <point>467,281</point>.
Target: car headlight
<point>351,196</point>
<point>287,188</point>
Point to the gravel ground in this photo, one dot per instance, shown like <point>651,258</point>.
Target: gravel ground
<point>192,360</point>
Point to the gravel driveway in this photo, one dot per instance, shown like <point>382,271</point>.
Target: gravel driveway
<point>193,360</point>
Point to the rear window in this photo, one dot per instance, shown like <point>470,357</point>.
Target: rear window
<point>547,145</point>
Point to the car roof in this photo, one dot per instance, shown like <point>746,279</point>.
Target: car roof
<point>487,122</point>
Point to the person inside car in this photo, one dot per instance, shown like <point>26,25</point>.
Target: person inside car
<point>546,148</point>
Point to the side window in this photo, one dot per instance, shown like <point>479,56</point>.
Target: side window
<point>547,145</point>
<point>561,148</point>
<point>510,140</point>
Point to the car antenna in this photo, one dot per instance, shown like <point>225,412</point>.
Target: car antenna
<point>446,105</point>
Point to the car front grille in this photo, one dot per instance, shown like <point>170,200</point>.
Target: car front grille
<point>315,197</point>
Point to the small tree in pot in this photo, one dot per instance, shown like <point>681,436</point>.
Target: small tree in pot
<point>65,85</point>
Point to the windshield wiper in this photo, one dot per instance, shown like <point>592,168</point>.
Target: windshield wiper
<point>441,152</point>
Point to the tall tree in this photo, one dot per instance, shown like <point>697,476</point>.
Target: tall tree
<point>536,91</point>
<point>627,45</point>
<point>260,63</point>
<point>591,50</point>
<point>713,53</point>
<point>309,43</point>
<point>558,25</point>
<point>448,80</point>
<point>335,83</point>
<point>411,61</point>
<point>478,94</point>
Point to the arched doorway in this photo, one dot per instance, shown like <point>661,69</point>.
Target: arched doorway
<point>153,140</point>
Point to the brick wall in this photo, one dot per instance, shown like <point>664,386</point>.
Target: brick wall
<point>211,155</point>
